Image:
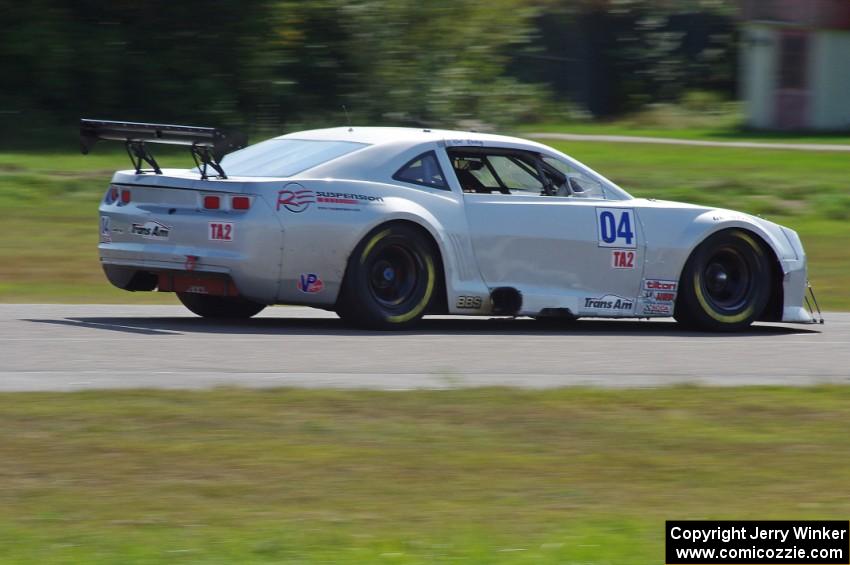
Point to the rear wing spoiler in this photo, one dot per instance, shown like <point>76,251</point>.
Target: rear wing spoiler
<point>208,145</point>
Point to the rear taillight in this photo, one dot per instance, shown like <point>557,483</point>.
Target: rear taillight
<point>113,194</point>
<point>125,196</point>
<point>240,203</point>
<point>212,202</point>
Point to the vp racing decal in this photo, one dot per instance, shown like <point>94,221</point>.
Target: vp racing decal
<point>310,283</point>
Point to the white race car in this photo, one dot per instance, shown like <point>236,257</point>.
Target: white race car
<point>384,225</point>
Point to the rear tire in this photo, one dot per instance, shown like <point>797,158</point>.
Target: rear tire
<point>225,307</point>
<point>391,279</point>
<point>725,284</point>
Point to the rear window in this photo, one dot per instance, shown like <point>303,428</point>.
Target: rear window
<point>284,157</point>
<point>424,170</point>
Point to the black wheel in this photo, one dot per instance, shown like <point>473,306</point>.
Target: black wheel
<point>725,284</point>
<point>230,307</point>
<point>391,279</point>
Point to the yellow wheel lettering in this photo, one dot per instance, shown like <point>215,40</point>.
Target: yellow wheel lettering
<point>429,289</point>
<point>746,237</point>
<point>372,242</point>
<point>706,307</point>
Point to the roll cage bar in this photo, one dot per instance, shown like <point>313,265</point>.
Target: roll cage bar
<point>543,172</point>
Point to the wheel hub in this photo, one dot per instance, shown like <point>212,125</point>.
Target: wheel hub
<point>393,275</point>
<point>727,279</point>
<point>716,277</point>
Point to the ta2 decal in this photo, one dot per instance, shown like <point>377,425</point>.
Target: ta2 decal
<point>221,231</point>
<point>310,283</point>
<point>615,227</point>
<point>622,259</point>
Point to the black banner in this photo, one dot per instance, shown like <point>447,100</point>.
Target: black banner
<point>769,542</point>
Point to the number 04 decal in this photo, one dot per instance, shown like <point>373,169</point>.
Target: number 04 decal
<point>616,227</point>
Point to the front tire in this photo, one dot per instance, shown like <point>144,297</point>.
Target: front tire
<point>391,279</point>
<point>725,285</point>
<point>224,307</point>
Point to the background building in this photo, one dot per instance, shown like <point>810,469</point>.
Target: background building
<point>795,64</point>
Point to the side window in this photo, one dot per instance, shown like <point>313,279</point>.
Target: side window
<point>502,171</point>
<point>516,174</point>
<point>424,170</point>
<point>577,183</point>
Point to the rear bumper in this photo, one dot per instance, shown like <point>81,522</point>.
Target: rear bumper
<point>171,231</point>
<point>187,272</point>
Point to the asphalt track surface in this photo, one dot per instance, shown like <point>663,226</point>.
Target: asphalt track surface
<point>74,347</point>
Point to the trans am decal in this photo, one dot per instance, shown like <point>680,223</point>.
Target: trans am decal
<point>609,303</point>
<point>151,230</point>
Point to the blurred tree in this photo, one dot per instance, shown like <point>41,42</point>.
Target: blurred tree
<point>403,61</point>
<point>263,63</point>
<point>613,56</point>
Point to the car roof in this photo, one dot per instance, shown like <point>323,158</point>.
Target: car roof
<point>381,135</point>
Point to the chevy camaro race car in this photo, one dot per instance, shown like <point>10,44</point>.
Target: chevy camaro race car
<point>384,225</point>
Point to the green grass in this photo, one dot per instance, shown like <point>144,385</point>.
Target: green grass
<point>49,201</point>
<point>477,476</point>
<point>708,133</point>
<point>713,122</point>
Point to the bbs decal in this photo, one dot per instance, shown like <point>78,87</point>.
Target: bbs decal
<point>615,227</point>
<point>473,302</point>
